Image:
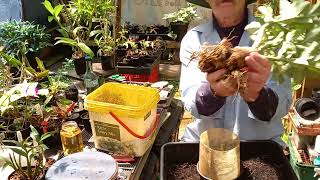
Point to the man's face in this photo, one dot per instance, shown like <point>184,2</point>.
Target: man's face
<point>226,7</point>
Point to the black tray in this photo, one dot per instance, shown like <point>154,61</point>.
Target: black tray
<point>146,69</point>
<point>181,152</point>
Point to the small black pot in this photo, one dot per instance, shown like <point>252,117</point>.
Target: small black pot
<point>79,65</point>
<point>106,62</point>
<point>304,104</point>
<point>11,133</point>
<point>54,141</point>
<point>180,29</point>
<point>72,94</point>
<point>84,116</point>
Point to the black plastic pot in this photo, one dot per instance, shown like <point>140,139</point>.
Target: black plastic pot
<point>72,94</point>
<point>304,104</point>
<point>54,141</point>
<point>179,153</point>
<point>180,29</point>
<point>84,116</point>
<point>316,95</point>
<point>106,62</point>
<point>142,66</point>
<point>11,133</point>
<point>79,65</point>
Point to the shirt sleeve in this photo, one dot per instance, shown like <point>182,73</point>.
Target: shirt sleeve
<point>273,96</point>
<point>207,102</point>
<point>265,106</point>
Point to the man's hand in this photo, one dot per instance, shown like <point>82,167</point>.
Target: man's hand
<point>259,69</point>
<point>223,88</point>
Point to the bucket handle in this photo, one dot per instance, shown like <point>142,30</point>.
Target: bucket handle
<point>148,133</point>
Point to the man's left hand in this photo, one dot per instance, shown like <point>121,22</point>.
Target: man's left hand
<point>259,69</point>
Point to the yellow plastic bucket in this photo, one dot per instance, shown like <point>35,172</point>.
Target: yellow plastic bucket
<point>123,117</point>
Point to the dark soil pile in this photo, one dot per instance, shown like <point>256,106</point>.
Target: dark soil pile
<point>259,169</point>
<point>253,169</point>
<point>183,172</point>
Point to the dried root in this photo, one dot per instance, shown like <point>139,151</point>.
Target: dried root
<point>223,56</point>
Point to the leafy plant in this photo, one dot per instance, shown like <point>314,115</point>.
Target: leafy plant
<point>24,67</point>
<point>17,102</point>
<point>19,38</point>
<point>32,150</point>
<point>78,22</point>
<point>103,38</point>
<point>290,40</point>
<point>184,15</point>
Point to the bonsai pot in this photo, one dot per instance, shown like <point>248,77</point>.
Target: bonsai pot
<point>106,62</point>
<point>72,94</point>
<point>79,65</point>
<point>180,29</point>
<point>180,159</point>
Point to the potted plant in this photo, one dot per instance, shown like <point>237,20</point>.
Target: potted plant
<point>106,43</point>
<point>18,39</point>
<point>180,20</point>
<point>17,105</point>
<point>78,17</point>
<point>23,39</point>
<point>31,150</point>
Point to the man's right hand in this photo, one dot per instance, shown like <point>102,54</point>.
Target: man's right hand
<point>223,88</point>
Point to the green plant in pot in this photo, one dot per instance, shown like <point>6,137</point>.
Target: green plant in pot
<point>18,40</point>
<point>75,28</point>
<point>77,24</point>
<point>180,20</point>
<point>17,105</point>
<point>31,151</point>
<point>106,43</point>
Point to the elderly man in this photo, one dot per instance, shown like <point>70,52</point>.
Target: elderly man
<point>253,115</point>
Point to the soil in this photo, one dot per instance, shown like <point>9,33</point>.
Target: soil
<point>259,169</point>
<point>183,172</point>
<point>17,176</point>
<point>253,169</point>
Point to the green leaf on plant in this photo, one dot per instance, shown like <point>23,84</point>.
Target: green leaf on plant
<point>6,164</point>
<point>48,6</point>
<point>40,64</point>
<point>86,49</point>
<point>57,10</point>
<point>11,60</point>
<point>45,136</point>
<point>95,32</point>
<point>31,71</point>
<point>42,74</point>
<point>296,87</point>
<point>19,151</point>
<point>50,18</point>
<point>35,133</point>
<point>67,41</point>
<point>63,32</point>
